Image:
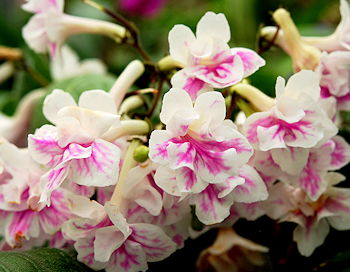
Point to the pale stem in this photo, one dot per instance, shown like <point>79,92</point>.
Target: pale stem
<point>257,98</point>
<point>79,25</point>
<point>130,103</point>
<point>6,71</point>
<point>130,74</point>
<point>328,43</point>
<point>128,163</point>
<point>269,34</point>
<point>304,56</point>
<point>167,63</point>
<point>127,127</point>
<point>291,33</point>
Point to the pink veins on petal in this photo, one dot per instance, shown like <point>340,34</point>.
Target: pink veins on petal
<point>284,129</point>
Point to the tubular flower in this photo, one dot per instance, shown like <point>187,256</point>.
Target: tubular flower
<point>49,27</point>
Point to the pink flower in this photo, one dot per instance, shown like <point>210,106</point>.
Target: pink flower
<point>201,155</point>
<point>294,124</point>
<point>208,60</point>
<point>105,240</point>
<point>314,218</point>
<point>75,148</point>
<point>23,218</point>
<point>146,8</point>
<point>335,78</point>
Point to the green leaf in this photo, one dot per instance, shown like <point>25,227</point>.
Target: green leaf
<point>41,259</point>
<point>75,86</point>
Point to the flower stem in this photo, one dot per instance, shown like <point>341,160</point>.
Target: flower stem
<point>128,163</point>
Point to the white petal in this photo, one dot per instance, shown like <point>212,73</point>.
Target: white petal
<point>100,169</point>
<point>308,239</point>
<point>214,26</point>
<point>56,101</point>
<point>305,82</point>
<point>97,100</point>
<point>212,111</point>
<point>180,38</point>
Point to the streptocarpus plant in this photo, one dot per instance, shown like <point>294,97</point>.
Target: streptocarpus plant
<point>121,175</point>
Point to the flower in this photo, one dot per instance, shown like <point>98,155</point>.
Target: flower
<point>335,78</point>
<point>75,147</point>
<point>202,155</point>
<point>23,218</point>
<point>50,27</point>
<point>105,240</point>
<point>208,60</point>
<point>291,204</point>
<point>296,121</point>
<point>145,8</point>
<point>67,65</point>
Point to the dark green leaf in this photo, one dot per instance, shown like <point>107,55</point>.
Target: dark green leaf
<point>42,259</point>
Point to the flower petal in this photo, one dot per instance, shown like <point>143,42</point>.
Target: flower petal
<point>214,26</point>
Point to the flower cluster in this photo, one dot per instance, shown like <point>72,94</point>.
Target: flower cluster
<point>98,177</point>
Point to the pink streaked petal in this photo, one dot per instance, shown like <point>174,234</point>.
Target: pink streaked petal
<point>154,242</point>
<point>251,60</point>
<point>210,208</point>
<point>85,249</point>
<point>43,146</point>
<point>181,155</point>
<point>270,137</point>
<point>253,189</point>
<point>264,163</point>
<point>189,181</point>
<point>158,143</point>
<point>107,240</point>
<point>341,153</point>
<point>291,160</point>
<point>51,181</point>
<point>19,226</point>
<point>100,169</point>
<point>192,85</point>
<point>226,73</point>
<point>312,180</point>
<point>51,218</point>
<point>129,257</point>
<point>165,178</point>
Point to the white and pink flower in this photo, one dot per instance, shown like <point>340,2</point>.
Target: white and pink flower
<point>75,147</point>
<point>294,125</point>
<point>105,240</point>
<point>207,59</point>
<point>201,154</point>
<point>314,218</point>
